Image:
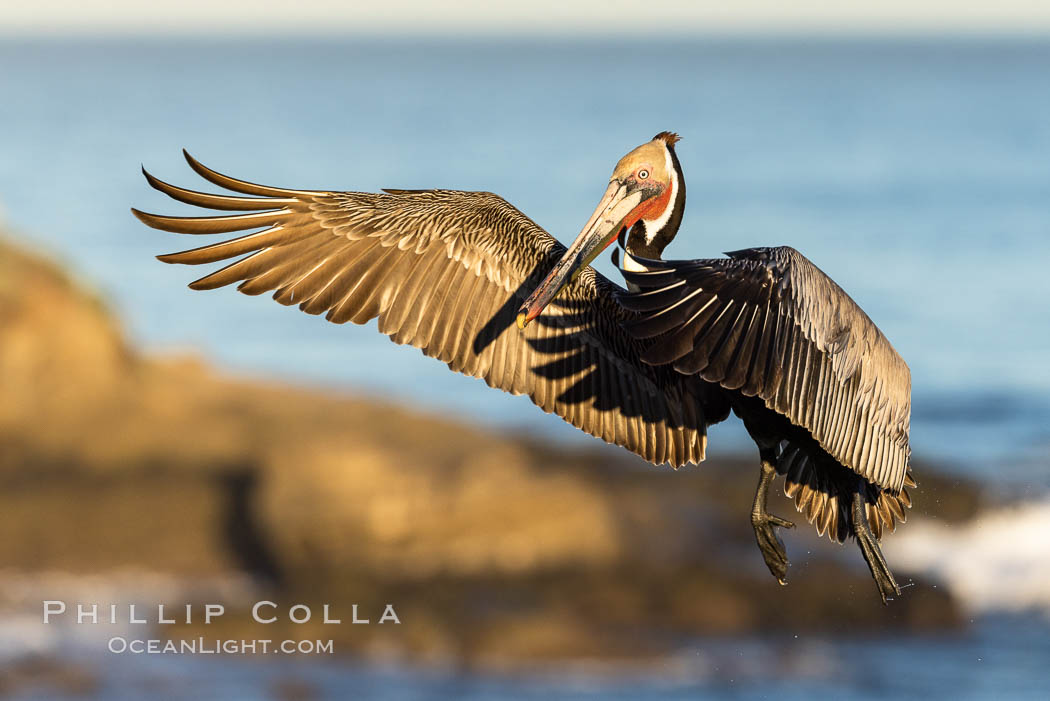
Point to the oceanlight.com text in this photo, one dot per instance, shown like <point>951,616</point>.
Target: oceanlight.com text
<point>203,646</point>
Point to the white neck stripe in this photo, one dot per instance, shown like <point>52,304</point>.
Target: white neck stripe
<point>654,225</point>
<point>629,263</point>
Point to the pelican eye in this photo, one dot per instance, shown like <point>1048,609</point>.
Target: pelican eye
<point>643,174</point>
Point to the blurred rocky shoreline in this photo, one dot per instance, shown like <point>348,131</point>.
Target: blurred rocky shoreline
<point>496,550</point>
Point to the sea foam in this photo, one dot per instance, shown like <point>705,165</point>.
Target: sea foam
<point>999,561</point>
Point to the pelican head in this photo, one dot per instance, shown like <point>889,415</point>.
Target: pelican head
<point>645,197</point>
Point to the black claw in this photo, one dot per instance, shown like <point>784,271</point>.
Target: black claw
<point>769,542</point>
<point>880,571</point>
<point>765,525</point>
<point>869,547</point>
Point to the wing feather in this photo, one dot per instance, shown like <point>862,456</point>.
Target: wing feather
<point>816,358</point>
<point>445,271</point>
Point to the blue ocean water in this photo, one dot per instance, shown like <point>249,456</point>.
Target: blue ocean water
<point>1000,658</point>
<point>915,172</point>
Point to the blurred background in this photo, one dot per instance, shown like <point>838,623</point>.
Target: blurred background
<point>163,446</point>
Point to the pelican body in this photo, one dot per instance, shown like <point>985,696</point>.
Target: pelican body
<point>473,282</point>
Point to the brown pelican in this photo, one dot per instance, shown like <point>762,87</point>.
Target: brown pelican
<point>763,333</point>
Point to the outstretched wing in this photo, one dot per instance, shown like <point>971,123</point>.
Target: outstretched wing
<point>769,323</point>
<point>445,271</point>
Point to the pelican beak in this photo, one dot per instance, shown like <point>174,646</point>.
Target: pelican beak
<point>601,229</point>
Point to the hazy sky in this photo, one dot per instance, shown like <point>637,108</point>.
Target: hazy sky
<point>518,17</point>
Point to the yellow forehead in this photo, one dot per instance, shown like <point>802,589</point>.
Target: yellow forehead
<point>652,155</point>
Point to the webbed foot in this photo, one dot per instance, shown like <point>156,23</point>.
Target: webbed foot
<point>765,524</point>
<point>869,547</point>
<point>770,544</point>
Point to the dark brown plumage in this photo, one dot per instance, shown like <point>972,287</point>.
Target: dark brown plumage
<point>763,332</point>
<point>725,315</point>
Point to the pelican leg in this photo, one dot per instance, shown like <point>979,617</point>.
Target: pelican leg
<point>765,525</point>
<point>869,546</point>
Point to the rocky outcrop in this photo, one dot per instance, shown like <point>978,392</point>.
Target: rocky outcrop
<point>495,549</point>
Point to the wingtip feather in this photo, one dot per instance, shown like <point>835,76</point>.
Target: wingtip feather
<point>144,217</point>
<point>152,180</point>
